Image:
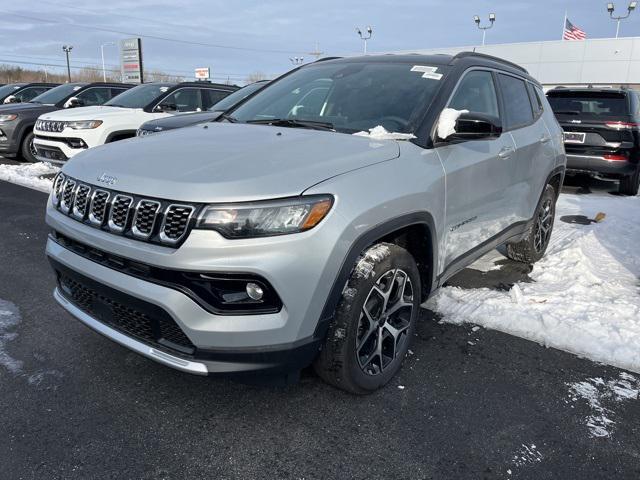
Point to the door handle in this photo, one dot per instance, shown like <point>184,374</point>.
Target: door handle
<point>505,152</point>
<point>545,139</point>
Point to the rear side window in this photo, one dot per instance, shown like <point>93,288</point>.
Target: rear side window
<point>477,94</point>
<point>517,105</point>
<point>589,104</point>
<point>536,101</point>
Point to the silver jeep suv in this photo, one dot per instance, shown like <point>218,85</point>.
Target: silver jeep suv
<point>310,223</point>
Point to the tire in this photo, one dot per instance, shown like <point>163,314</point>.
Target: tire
<point>534,245</point>
<point>27,150</point>
<point>386,280</point>
<point>630,184</point>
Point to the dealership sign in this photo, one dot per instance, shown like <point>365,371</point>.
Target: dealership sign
<point>131,60</point>
<point>203,73</point>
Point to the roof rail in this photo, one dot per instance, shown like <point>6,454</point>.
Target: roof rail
<point>490,57</point>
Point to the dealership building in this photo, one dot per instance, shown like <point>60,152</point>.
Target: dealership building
<point>601,61</point>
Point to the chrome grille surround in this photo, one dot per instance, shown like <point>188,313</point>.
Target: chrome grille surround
<point>56,190</point>
<point>81,201</point>
<point>144,218</point>
<point>175,222</point>
<point>152,220</point>
<point>119,212</point>
<point>66,202</point>
<point>50,126</point>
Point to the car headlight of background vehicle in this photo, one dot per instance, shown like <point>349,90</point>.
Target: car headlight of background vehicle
<point>83,124</point>
<point>263,219</point>
<point>8,118</point>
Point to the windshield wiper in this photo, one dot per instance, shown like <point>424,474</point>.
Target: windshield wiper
<point>290,122</point>
<point>229,118</point>
<point>567,112</point>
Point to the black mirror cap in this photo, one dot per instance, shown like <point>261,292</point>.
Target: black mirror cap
<point>476,126</point>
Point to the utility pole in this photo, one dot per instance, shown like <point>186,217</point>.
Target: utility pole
<point>611,8</point>
<point>104,73</point>
<point>67,49</point>
<point>365,37</point>
<point>492,19</point>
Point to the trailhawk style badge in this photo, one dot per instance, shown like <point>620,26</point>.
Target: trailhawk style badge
<point>107,179</point>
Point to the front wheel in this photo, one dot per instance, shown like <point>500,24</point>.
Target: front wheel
<point>534,245</point>
<point>630,184</point>
<point>28,149</point>
<point>374,321</point>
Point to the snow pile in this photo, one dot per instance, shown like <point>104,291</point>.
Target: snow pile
<point>381,133</point>
<point>30,175</point>
<point>585,294</point>
<point>447,122</point>
<point>598,392</point>
<point>9,319</point>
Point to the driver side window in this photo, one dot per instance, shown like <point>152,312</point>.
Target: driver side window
<point>476,93</point>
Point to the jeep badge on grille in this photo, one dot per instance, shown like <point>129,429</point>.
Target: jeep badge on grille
<point>107,179</point>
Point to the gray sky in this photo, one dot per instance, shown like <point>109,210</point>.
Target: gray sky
<point>266,34</point>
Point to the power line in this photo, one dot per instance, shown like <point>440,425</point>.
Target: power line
<point>152,37</point>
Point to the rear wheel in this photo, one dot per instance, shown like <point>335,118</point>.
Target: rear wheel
<point>374,321</point>
<point>629,185</point>
<point>534,245</point>
<point>27,149</point>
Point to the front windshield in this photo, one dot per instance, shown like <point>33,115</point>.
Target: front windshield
<point>140,96</point>
<point>352,97</point>
<point>8,90</point>
<point>57,94</point>
<point>230,100</point>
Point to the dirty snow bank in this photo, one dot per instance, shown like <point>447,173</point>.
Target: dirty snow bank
<point>585,294</point>
<point>29,175</point>
<point>381,133</point>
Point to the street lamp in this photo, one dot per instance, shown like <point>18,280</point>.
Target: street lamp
<point>67,49</point>
<point>297,60</point>
<point>610,8</point>
<point>492,19</point>
<point>365,37</point>
<point>104,73</point>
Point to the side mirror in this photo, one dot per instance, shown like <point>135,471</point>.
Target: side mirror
<point>12,99</point>
<point>166,107</point>
<point>74,102</point>
<point>475,126</point>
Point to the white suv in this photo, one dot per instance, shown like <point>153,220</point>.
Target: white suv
<point>62,134</point>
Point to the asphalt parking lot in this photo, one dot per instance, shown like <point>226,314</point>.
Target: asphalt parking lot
<point>468,403</point>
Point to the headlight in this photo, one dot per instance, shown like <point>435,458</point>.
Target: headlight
<point>84,124</point>
<point>263,219</point>
<point>8,118</point>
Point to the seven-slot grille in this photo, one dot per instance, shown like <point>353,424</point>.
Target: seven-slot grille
<point>153,220</point>
<point>50,126</point>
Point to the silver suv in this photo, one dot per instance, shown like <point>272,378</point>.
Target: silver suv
<point>310,223</point>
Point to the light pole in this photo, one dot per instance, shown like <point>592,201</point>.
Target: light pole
<point>610,8</point>
<point>365,37</point>
<point>316,53</point>
<point>104,73</point>
<point>492,19</point>
<point>297,60</point>
<point>67,49</point>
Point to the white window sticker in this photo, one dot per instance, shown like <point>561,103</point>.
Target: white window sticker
<point>76,88</point>
<point>423,69</point>
<point>432,76</point>
<point>164,89</point>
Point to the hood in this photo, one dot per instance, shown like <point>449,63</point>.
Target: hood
<point>27,108</point>
<point>88,113</point>
<point>181,120</point>
<point>225,162</point>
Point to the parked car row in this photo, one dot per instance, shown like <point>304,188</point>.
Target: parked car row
<point>307,223</point>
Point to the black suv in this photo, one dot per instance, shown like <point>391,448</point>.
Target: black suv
<point>23,92</point>
<point>17,119</point>
<point>601,132</point>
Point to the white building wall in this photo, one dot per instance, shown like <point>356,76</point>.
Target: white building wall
<point>605,61</point>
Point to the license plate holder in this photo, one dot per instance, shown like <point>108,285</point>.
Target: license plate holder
<point>574,137</point>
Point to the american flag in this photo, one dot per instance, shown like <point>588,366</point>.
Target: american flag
<point>571,32</point>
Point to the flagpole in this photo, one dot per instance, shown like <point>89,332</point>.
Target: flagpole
<point>564,24</point>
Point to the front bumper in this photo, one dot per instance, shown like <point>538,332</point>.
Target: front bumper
<point>597,164</point>
<point>54,151</point>
<point>9,145</point>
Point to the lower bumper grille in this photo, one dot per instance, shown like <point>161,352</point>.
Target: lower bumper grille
<point>134,317</point>
<point>51,153</point>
